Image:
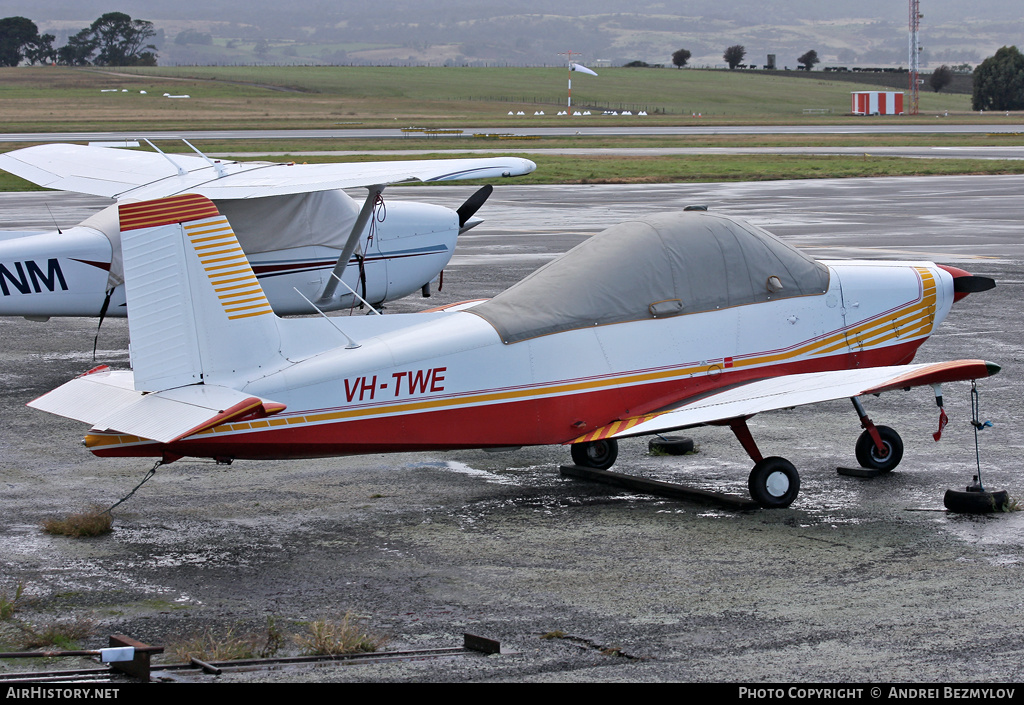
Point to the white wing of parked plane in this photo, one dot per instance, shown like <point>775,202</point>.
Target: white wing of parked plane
<point>127,174</point>
<point>745,400</point>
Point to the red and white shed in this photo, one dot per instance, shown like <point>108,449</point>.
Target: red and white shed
<point>877,103</point>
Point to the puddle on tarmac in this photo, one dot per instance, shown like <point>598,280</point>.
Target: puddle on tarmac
<point>82,355</point>
<point>999,529</point>
<point>826,498</point>
<point>465,469</point>
<point>97,566</point>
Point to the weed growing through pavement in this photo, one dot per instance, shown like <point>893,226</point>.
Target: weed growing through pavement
<point>230,646</point>
<point>8,604</point>
<point>64,635</point>
<point>94,522</point>
<point>348,636</point>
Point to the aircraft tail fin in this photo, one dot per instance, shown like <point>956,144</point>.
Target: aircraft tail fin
<point>197,314</point>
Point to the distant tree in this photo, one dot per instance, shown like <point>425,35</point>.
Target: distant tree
<point>940,78</point>
<point>808,60</point>
<point>734,55</point>
<point>999,81</point>
<point>122,41</point>
<point>79,49</point>
<point>16,33</point>
<point>637,65</point>
<point>679,58</point>
<point>41,50</point>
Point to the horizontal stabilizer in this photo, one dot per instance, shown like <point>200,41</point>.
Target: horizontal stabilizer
<point>793,390</point>
<point>109,402</point>
<point>90,396</point>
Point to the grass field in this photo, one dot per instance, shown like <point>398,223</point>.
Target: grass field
<point>52,99</point>
<point>712,93</point>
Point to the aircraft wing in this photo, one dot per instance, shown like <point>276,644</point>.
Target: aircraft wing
<point>135,175</point>
<point>747,399</point>
<point>98,171</point>
<point>108,400</point>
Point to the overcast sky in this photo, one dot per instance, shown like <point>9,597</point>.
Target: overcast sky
<point>872,32</point>
<point>304,10</point>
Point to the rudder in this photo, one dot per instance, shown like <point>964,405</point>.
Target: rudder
<point>196,310</point>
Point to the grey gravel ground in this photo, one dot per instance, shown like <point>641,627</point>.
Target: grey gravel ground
<point>858,581</point>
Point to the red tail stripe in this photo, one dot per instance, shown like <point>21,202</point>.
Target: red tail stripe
<point>165,211</point>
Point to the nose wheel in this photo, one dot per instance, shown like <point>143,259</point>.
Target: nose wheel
<point>879,447</point>
<point>885,459</point>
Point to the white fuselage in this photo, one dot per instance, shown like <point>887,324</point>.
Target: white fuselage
<point>68,272</point>
<point>446,380</point>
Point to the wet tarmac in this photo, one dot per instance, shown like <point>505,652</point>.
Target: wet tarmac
<point>860,580</point>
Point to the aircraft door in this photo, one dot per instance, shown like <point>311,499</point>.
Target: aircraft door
<point>847,307</point>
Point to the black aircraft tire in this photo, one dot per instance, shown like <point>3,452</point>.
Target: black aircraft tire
<point>975,502</point>
<point>599,455</point>
<point>867,454</point>
<point>774,483</point>
<point>670,445</point>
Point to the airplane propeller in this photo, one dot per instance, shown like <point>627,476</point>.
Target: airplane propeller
<point>965,283</point>
<point>472,204</point>
<point>972,284</point>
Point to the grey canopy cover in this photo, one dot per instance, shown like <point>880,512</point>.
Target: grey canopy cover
<point>663,265</point>
<point>261,224</point>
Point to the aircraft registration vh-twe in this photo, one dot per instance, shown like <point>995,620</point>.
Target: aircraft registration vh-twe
<point>299,230</point>
<point>669,321</point>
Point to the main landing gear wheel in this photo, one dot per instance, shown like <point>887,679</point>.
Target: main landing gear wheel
<point>600,455</point>
<point>868,455</point>
<point>774,483</point>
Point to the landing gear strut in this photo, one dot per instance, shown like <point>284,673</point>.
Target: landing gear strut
<point>774,482</point>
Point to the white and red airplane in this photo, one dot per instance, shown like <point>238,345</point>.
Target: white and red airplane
<point>294,223</point>
<point>666,322</point>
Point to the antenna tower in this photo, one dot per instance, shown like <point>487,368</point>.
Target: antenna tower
<point>915,53</point>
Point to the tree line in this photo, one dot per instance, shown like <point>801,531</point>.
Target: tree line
<point>114,39</point>
<point>998,80</point>
<point>735,54</point>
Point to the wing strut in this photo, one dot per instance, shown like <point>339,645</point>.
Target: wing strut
<point>181,170</point>
<point>218,166</point>
<point>373,193</point>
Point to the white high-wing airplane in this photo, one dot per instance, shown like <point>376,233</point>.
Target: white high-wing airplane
<point>299,230</point>
<point>666,322</point>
